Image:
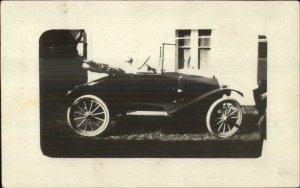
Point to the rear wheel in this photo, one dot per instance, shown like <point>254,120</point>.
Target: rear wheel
<point>224,117</point>
<point>88,116</point>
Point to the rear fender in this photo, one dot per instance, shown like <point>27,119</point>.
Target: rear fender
<point>206,98</point>
<point>227,91</point>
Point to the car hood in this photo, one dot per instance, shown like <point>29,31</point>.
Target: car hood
<point>195,78</point>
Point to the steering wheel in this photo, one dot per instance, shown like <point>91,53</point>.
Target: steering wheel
<point>145,63</point>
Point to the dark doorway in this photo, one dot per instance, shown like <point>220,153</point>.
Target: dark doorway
<point>61,55</point>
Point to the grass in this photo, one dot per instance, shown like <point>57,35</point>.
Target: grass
<point>160,136</point>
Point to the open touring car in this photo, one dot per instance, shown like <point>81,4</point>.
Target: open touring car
<point>92,106</point>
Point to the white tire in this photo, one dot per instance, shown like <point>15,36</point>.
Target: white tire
<point>224,117</point>
<point>88,115</point>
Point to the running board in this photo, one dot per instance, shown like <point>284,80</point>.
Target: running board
<point>147,113</point>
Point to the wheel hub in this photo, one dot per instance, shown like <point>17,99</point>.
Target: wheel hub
<point>88,115</point>
<point>224,118</point>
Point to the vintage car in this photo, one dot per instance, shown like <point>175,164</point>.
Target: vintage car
<point>92,106</point>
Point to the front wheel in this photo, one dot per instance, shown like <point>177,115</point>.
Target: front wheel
<point>224,117</point>
<point>88,116</point>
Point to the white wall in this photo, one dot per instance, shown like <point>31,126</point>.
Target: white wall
<point>120,30</point>
<point>137,31</point>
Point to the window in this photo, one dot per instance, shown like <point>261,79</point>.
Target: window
<point>184,47</point>
<point>193,48</point>
<point>203,46</point>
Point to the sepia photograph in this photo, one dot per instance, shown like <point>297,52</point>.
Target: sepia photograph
<point>177,106</point>
<point>176,87</point>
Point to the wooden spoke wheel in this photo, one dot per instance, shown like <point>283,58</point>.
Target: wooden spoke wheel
<point>88,116</point>
<point>224,117</point>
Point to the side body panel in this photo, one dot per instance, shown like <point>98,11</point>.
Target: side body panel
<point>154,89</point>
<point>130,92</point>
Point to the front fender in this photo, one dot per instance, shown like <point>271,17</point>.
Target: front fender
<point>217,93</point>
<point>78,91</point>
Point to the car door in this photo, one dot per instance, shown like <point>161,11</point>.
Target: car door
<point>118,88</point>
<point>154,88</point>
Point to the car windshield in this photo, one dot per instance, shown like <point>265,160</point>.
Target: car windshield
<point>121,68</point>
